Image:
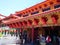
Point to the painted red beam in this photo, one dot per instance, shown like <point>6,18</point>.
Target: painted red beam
<point>47,12</point>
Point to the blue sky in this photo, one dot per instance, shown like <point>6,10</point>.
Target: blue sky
<point>8,7</point>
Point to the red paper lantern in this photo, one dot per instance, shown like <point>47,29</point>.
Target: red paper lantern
<point>54,18</point>
<point>36,21</point>
<point>44,20</point>
<point>21,24</point>
<point>24,23</point>
<point>29,22</point>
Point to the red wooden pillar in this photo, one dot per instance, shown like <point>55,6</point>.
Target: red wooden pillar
<point>32,34</point>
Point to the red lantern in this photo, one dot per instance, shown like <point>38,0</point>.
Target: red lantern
<point>29,22</point>
<point>54,18</point>
<point>21,24</point>
<point>24,23</point>
<point>36,21</point>
<point>44,20</point>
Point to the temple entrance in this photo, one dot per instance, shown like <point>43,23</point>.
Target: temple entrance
<point>51,31</point>
<point>54,33</point>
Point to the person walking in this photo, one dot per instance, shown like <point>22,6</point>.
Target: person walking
<point>48,40</point>
<point>54,40</point>
<point>42,40</point>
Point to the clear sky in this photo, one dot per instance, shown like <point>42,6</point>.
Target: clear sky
<point>8,7</point>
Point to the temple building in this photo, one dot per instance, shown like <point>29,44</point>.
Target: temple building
<point>42,18</point>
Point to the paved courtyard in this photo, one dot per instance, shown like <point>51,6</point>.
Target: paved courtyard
<point>9,40</point>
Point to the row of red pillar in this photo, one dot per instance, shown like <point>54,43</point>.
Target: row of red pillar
<point>36,21</point>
